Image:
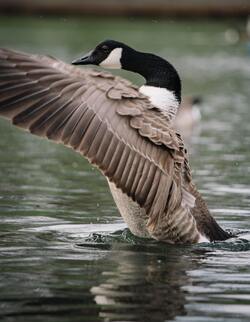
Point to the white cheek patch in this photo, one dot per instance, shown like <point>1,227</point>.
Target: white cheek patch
<point>113,60</point>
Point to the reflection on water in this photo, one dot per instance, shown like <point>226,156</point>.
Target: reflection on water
<point>65,254</point>
<point>157,285</point>
<point>146,287</point>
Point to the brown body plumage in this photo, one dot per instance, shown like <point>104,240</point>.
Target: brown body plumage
<point>116,128</point>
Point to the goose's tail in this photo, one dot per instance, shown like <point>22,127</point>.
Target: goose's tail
<point>206,224</point>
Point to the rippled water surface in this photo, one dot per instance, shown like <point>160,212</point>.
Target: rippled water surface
<point>65,253</point>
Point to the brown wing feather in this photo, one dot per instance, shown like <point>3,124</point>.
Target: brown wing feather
<point>102,117</point>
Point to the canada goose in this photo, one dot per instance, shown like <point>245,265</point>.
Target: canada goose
<point>188,116</point>
<point>125,131</point>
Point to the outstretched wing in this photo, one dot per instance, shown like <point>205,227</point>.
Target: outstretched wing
<point>102,117</point>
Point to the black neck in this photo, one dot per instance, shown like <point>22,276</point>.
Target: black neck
<point>157,71</point>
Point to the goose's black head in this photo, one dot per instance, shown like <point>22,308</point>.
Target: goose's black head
<point>113,54</point>
<point>106,54</point>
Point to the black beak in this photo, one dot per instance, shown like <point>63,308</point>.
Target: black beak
<point>85,60</point>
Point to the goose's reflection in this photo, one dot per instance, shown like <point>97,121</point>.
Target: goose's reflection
<point>144,286</point>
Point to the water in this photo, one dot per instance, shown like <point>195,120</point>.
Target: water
<point>65,252</point>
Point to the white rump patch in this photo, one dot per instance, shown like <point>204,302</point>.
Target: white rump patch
<point>161,98</point>
<point>203,239</point>
<point>113,60</point>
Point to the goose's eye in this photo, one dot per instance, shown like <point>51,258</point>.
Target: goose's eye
<point>105,48</point>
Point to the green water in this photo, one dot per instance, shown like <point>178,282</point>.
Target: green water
<point>65,254</point>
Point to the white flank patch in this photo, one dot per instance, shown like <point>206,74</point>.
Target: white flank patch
<point>161,98</point>
<point>203,239</point>
<point>113,60</point>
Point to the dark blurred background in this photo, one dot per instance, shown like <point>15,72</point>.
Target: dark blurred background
<point>164,8</point>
